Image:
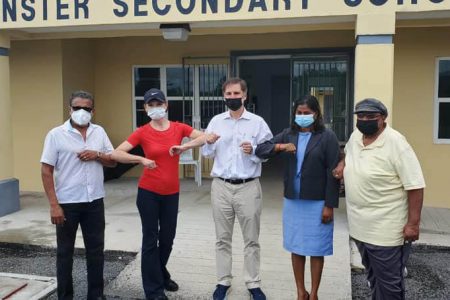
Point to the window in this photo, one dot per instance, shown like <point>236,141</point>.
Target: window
<point>442,102</point>
<point>194,92</point>
<point>176,85</point>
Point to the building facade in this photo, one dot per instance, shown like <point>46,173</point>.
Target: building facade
<point>338,50</point>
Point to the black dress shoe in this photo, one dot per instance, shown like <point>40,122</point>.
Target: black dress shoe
<point>171,285</point>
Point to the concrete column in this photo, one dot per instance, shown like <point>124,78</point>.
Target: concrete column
<point>9,187</point>
<point>6,147</point>
<point>374,59</point>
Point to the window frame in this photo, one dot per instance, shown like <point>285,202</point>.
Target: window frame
<point>438,100</point>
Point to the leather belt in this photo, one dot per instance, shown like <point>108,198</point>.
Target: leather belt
<point>237,181</point>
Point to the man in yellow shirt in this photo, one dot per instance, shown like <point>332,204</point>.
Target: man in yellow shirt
<point>384,195</point>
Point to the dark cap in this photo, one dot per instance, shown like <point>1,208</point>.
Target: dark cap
<point>370,105</point>
<point>154,94</point>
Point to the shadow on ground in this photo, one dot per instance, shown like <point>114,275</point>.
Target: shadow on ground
<point>428,275</point>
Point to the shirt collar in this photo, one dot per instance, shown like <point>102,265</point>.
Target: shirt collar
<point>68,127</point>
<point>245,115</point>
<point>379,142</point>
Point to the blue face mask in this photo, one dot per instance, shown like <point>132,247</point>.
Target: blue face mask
<point>304,121</point>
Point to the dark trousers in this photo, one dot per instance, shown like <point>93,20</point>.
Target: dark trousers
<point>159,222</point>
<point>384,266</point>
<point>91,217</point>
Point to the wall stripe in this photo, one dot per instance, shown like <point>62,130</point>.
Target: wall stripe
<point>4,51</point>
<point>374,39</point>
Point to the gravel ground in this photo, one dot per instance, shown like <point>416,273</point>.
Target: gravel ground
<point>428,269</point>
<point>35,260</point>
<point>428,275</point>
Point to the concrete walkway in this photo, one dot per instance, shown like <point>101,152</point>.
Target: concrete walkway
<point>192,263</point>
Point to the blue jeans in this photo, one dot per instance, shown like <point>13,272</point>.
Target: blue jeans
<point>91,218</point>
<point>159,222</point>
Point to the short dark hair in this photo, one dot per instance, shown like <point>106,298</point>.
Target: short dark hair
<point>81,94</point>
<point>313,104</point>
<point>235,80</point>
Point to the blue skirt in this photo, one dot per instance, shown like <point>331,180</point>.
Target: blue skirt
<point>303,230</point>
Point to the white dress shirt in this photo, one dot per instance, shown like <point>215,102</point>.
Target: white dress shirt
<point>76,181</point>
<point>230,161</point>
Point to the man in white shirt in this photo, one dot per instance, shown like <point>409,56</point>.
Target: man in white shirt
<point>384,194</point>
<point>72,174</point>
<point>235,190</point>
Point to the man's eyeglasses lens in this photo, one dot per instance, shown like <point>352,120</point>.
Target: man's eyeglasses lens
<point>88,109</point>
<point>369,116</point>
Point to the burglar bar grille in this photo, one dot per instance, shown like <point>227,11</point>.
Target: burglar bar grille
<point>211,78</point>
<point>209,75</point>
<point>327,80</point>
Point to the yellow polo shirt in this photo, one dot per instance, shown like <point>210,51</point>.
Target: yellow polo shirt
<point>377,177</point>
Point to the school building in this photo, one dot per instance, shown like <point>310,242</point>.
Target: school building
<point>341,51</point>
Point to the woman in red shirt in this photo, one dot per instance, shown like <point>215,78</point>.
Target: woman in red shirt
<point>158,188</point>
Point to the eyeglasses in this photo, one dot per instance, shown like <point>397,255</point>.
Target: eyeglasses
<point>88,109</point>
<point>367,116</point>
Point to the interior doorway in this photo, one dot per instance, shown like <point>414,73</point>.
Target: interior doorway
<point>269,89</point>
<point>269,96</point>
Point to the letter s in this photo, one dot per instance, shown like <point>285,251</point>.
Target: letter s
<point>124,11</point>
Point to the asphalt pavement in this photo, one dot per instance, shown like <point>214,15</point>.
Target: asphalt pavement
<point>428,275</point>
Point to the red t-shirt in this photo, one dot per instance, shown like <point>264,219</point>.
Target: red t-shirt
<point>163,179</point>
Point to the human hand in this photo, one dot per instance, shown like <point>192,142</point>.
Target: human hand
<point>338,172</point>
<point>177,150</point>
<point>87,155</point>
<point>148,163</point>
<point>211,138</point>
<point>327,214</point>
<point>411,232</point>
<point>289,148</point>
<point>246,147</point>
<point>57,214</point>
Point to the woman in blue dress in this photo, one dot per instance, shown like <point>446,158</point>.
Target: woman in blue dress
<point>310,153</point>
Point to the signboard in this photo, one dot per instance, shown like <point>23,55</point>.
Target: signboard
<point>53,13</point>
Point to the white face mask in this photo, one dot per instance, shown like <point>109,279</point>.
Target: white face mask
<point>81,117</point>
<point>156,113</point>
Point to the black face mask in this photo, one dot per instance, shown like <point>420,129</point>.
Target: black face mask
<point>233,103</point>
<point>367,127</point>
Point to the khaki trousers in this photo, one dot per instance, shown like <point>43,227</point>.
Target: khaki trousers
<point>243,201</point>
